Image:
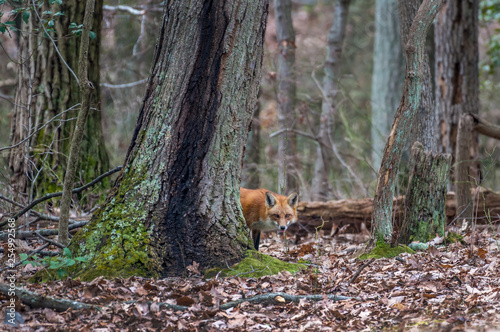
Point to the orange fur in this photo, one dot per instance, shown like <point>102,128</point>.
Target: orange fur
<point>265,211</point>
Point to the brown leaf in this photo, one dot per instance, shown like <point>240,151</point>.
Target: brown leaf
<point>481,253</point>
<point>185,301</point>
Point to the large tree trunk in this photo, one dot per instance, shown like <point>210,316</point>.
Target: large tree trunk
<point>457,82</point>
<point>324,152</point>
<point>176,202</point>
<point>414,55</point>
<point>287,158</point>
<point>388,74</point>
<point>46,88</point>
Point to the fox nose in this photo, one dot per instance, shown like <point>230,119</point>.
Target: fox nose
<point>282,228</point>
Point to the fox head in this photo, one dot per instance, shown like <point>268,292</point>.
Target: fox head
<point>281,210</point>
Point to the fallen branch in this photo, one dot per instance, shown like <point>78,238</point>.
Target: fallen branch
<point>361,268</point>
<point>270,298</point>
<point>36,300</point>
<point>40,216</point>
<point>44,232</point>
<point>39,301</point>
<point>353,212</point>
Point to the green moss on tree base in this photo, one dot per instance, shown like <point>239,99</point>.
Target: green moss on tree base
<point>384,250</point>
<point>256,265</point>
<point>116,242</point>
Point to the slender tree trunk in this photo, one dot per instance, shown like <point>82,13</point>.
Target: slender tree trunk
<point>388,74</point>
<point>414,54</point>
<point>463,183</point>
<point>287,159</point>
<point>457,83</point>
<point>176,202</point>
<point>324,152</point>
<point>425,129</point>
<point>46,88</point>
<point>86,87</point>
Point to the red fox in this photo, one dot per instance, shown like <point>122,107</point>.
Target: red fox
<point>266,211</point>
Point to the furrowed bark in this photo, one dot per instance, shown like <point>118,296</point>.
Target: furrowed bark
<point>425,200</point>
<point>414,53</point>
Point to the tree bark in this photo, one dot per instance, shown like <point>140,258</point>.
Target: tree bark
<point>324,152</point>
<point>45,88</point>
<point>287,159</point>
<point>414,54</point>
<point>424,129</point>
<point>425,200</point>
<point>388,73</point>
<point>457,73</point>
<point>177,200</point>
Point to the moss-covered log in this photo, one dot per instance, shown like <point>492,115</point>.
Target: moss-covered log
<point>177,200</point>
<point>353,212</point>
<point>426,197</point>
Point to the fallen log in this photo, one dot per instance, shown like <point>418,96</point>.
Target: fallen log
<point>353,212</point>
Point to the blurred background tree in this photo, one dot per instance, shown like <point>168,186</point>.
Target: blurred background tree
<point>47,88</point>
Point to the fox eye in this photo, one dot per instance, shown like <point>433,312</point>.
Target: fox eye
<point>277,216</point>
<point>288,216</point>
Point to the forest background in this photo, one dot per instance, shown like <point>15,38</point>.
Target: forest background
<point>128,42</point>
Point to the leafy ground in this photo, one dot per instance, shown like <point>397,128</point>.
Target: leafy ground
<point>442,289</point>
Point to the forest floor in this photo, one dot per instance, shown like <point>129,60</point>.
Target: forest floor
<point>452,288</point>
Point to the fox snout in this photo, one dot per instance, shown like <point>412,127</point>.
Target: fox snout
<point>282,228</point>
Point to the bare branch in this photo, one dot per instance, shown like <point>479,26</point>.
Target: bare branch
<point>128,9</point>
<point>54,43</point>
<point>57,244</point>
<point>361,268</point>
<point>75,191</point>
<point>125,85</point>
<point>38,129</point>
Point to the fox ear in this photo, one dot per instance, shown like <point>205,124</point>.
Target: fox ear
<point>270,200</point>
<point>293,199</point>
